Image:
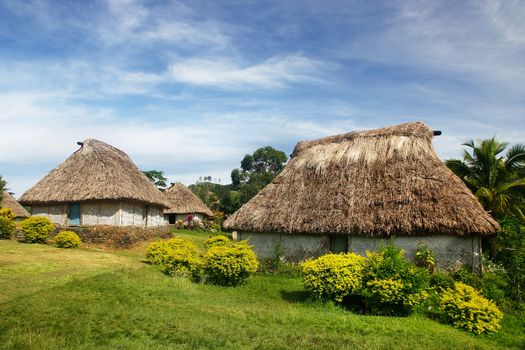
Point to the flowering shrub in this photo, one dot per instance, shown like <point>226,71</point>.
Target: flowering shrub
<point>230,265</point>
<point>36,229</point>
<point>425,257</point>
<point>67,239</point>
<point>392,284</point>
<point>466,308</point>
<point>7,223</point>
<point>175,256</point>
<point>333,276</point>
<point>219,240</point>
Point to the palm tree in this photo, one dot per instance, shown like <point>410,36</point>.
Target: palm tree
<point>497,180</point>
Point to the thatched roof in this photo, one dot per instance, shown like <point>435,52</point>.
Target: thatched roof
<point>97,171</point>
<point>9,201</point>
<point>183,201</point>
<point>379,182</point>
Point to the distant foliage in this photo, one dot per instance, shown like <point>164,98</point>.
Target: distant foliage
<point>2,188</point>
<point>230,265</point>
<point>175,256</point>
<point>157,177</point>
<point>215,241</point>
<point>36,229</point>
<point>7,223</point>
<point>333,276</point>
<point>465,308</point>
<point>67,239</point>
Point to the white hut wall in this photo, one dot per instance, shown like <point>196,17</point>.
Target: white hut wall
<point>56,213</point>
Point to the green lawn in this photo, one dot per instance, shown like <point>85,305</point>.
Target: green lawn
<point>85,299</point>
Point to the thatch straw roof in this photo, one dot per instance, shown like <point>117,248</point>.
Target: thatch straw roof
<point>183,201</point>
<point>379,182</point>
<point>97,171</point>
<point>8,201</point>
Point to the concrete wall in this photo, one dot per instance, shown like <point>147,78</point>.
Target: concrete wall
<point>293,248</point>
<point>451,252</point>
<point>106,213</point>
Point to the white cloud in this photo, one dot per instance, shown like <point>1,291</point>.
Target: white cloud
<point>276,72</point>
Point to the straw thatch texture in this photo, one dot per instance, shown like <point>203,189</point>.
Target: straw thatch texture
<point>183,201</point>
<point>96,171</point>
<point>9,201</point>
<point>375,183</point>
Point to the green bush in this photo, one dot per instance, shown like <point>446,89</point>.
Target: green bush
<point>36,229</point>
<point>425,258</point>
<point>230,265</point>
<point>441,281</point>
<point>7,223</point>
<point>493,284</point>
<point>465,308</point>
<point>392,285</point>
<point>219,240</point>
<point>175,256</point>
<point>510,252</point>
<point>67,239</point>
<point>333,276</point>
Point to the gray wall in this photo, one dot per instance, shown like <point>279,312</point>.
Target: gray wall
<point>451,252</point>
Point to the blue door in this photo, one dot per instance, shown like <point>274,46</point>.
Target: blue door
<point>74,214</point>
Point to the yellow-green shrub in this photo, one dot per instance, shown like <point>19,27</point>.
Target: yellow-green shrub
<point>7,223</point>
<point>393,285</point>
<point>67,239</point>
<point>333,276</point>
<point>36,229</point>
<point>219,240</point>
<point>175,256</point>
<point>464,307</point>
<point>230,265</point>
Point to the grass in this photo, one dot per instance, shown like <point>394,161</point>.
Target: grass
<point>84,299</point>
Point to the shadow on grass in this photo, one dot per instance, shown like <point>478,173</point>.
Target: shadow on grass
<point>295,296</point>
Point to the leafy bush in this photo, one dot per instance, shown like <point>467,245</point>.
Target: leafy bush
<point>219,240</point>
<point>230,265</point>
<point>441,281</point>
<point>67,239</point>
<point>333,276</point>
<point>493,284</point>
<point>36,229</point>
<point>392,284</point>
<point>425,258</point>
<point>465,308</point>
<point>7,223</point>
<point>175,256</point>
<point>510,252</point>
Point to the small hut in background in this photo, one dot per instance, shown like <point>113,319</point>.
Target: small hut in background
<point>353,191</point>
<point>8,201</point>
<point>97,185</point>
<point>183,203</point>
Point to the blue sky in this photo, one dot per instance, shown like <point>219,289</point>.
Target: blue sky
<point>189,87</point>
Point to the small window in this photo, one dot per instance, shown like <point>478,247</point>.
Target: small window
<point>339,244</point>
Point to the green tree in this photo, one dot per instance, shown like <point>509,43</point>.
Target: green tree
<point>257,170</point>
<point>496,178</point>
<point>2,188</point>
<point>157,177</point>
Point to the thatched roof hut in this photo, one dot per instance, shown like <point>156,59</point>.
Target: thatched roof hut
<point>8,201</point>
<point>379,182</point>
<point>97,171</point>
<point>182,201</point>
